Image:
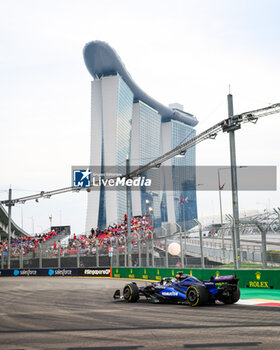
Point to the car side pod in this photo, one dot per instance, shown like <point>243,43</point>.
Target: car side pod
<point>117,294</point>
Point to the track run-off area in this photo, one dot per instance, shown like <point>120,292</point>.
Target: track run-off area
<point>80,314</point>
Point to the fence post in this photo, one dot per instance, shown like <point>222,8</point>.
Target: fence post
<point>21,258</point>
<point>181,245</point>
<point>201,244</point>
<point>152,247</point>
<point>139,250</point>
<point>111,254</point>
<point>78,255</point>
<point>117,253</point>
<point>235,259</point>
<point>58,255</point>
<point>147,254</point>
<point>263,252</point>
<point>277,211</point>
<point>40,256</point>
<point>125,252</point>
<point>97,252</point>
<point>166,249</point>
<point>185,247</point>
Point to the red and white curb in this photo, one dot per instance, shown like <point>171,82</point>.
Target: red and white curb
<point>259,302</point>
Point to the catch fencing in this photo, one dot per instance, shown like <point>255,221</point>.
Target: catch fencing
<point>201,247</point>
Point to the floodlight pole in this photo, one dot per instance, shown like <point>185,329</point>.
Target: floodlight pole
<point>263,251</point>
<point>201,244</point>
<point>181,245</point>
<point>221,211</point>
<point>10,204</point>
<point>128,215</point>
<point>234,179</point>
<point>166,248</point>
<point>184,216</point>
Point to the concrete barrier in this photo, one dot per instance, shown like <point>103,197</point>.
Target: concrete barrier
<point>264,279</point>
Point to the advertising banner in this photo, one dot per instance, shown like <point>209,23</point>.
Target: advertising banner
<point>95,272</point>
<point>56,272</point>
<point>265,279</point>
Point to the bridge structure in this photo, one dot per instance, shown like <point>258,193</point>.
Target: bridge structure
<point>4,226</point>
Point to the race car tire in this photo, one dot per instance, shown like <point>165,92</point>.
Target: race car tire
<point>131,293</point>
<point>197,295</point>
<point>232,298</point>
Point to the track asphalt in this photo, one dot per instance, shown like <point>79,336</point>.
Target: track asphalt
<point>80,314</point>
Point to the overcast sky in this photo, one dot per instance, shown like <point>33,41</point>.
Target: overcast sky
<point>177,51</point>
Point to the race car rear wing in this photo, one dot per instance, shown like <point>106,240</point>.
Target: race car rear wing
<point>222,279</point>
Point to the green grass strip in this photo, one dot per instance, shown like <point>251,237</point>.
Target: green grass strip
<point>258,293</point>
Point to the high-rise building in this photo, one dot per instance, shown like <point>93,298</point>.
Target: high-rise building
<point>145,146</point>
<point>125,121</point>
<point>179,199</point>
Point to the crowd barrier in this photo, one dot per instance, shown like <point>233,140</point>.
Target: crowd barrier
<point>247,278</point>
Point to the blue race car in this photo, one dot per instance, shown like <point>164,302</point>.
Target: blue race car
<point>184,289</point>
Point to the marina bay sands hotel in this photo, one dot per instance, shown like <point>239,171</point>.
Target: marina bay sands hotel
<point>126,121</point>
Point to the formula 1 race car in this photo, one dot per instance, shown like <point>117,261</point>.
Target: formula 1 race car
<point>184,289</point>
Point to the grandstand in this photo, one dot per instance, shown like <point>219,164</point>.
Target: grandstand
<point>109,247</point>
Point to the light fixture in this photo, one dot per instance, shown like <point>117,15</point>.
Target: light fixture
<point>181,154</point>
<point>251,118</point>
<point>147,201</point>
<point>212,136</point>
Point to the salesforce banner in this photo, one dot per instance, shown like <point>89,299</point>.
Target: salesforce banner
<point>56,272</point>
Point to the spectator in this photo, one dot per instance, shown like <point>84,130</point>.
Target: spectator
<point>178,264</point>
